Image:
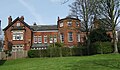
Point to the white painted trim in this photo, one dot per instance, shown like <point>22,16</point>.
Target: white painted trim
<point>47,31</point>
<point>40,39</point>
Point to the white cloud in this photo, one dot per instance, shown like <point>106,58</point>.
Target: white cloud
<point>32,10</point>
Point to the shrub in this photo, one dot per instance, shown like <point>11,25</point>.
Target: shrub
<point>43,53</point>
<point>56,45</point>
<point>119,47</point>
<point>54,52</point>
<point>33,53</point>
<point>57,52</point>
<point>102,47</point>
<point>65,51</point>
<point>76,51</point>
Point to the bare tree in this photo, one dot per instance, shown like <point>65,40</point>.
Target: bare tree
<point>65,1</point>
<point>110,9</point>
<point>85,10</point>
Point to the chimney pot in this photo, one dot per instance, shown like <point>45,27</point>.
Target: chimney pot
<point>34,23</point>
<point>58,18</point>
<point>22,18</point>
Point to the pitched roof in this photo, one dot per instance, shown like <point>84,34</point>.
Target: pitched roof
<point>44,27</point>
<point>39,45</point>
<point>14,22</point>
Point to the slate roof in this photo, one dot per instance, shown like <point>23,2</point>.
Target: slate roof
<point>14,22</point>
<point>69,17</point>
<point>43,27</point>
<point>39,45</point>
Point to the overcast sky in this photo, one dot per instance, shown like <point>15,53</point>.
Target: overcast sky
<point>39,11</point>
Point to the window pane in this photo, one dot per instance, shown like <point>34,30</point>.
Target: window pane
<point>62,37</point>
<point>45,39</point>
<point>39,39</point>
<point>70,39</point>
<point>17,47</point>
<point>17,36</point>
<point>18,24</point>
<point>55,40</point>
<point>51,40</point>
<point>35,39</point>
<point>61,24</point>
<point>78,37</point>
<point>69,23</point>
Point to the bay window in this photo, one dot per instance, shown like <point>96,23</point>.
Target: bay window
<point>17,36</point>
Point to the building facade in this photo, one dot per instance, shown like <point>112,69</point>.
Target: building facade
<point>19,36</point>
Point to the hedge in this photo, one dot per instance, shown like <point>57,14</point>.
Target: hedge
<point>56,52</point>
<point>118,47</point>
<point>101,48</point>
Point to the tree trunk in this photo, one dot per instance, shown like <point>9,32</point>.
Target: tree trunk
<point>115,42</point>
<point>87,43</point>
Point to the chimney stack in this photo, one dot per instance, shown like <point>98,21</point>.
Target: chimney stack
<point>34,24</point>
<point>58,18</point>
<point>9,19</point>
<point>77,17</point>
<point>22,18</point>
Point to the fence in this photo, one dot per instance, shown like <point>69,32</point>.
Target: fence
<point>15,55</point>
<point>2,55</point>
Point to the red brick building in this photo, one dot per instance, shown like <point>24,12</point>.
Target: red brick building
<point>17,34</point>
<point>22,36</point>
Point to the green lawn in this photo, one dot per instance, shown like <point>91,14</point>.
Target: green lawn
<point>95,62</point>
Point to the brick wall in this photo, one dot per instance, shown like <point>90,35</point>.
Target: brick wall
<point>27,36</point>
<point>75,29</point>
<point>42,34</point>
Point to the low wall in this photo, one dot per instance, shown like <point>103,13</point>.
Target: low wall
<point>15,55</point>
<point>18,54</point>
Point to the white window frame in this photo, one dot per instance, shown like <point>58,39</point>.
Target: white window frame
<point>35,39</point>
<point>39,39</point>
<point>51,39</point>
<point>55,38</point>
<point>18,24</point>
<point>17,36</point>
<point>45,39</point>
<point>69,23</point>
<point>62,37</point>
<point>61,24</point>
<point>78,37</point>
<point>70,37</point>
<point>17,48</point>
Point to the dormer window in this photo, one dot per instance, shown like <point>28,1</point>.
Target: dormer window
<point>61,24</point>
<point>18,24</point>
<point>69,23</point>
